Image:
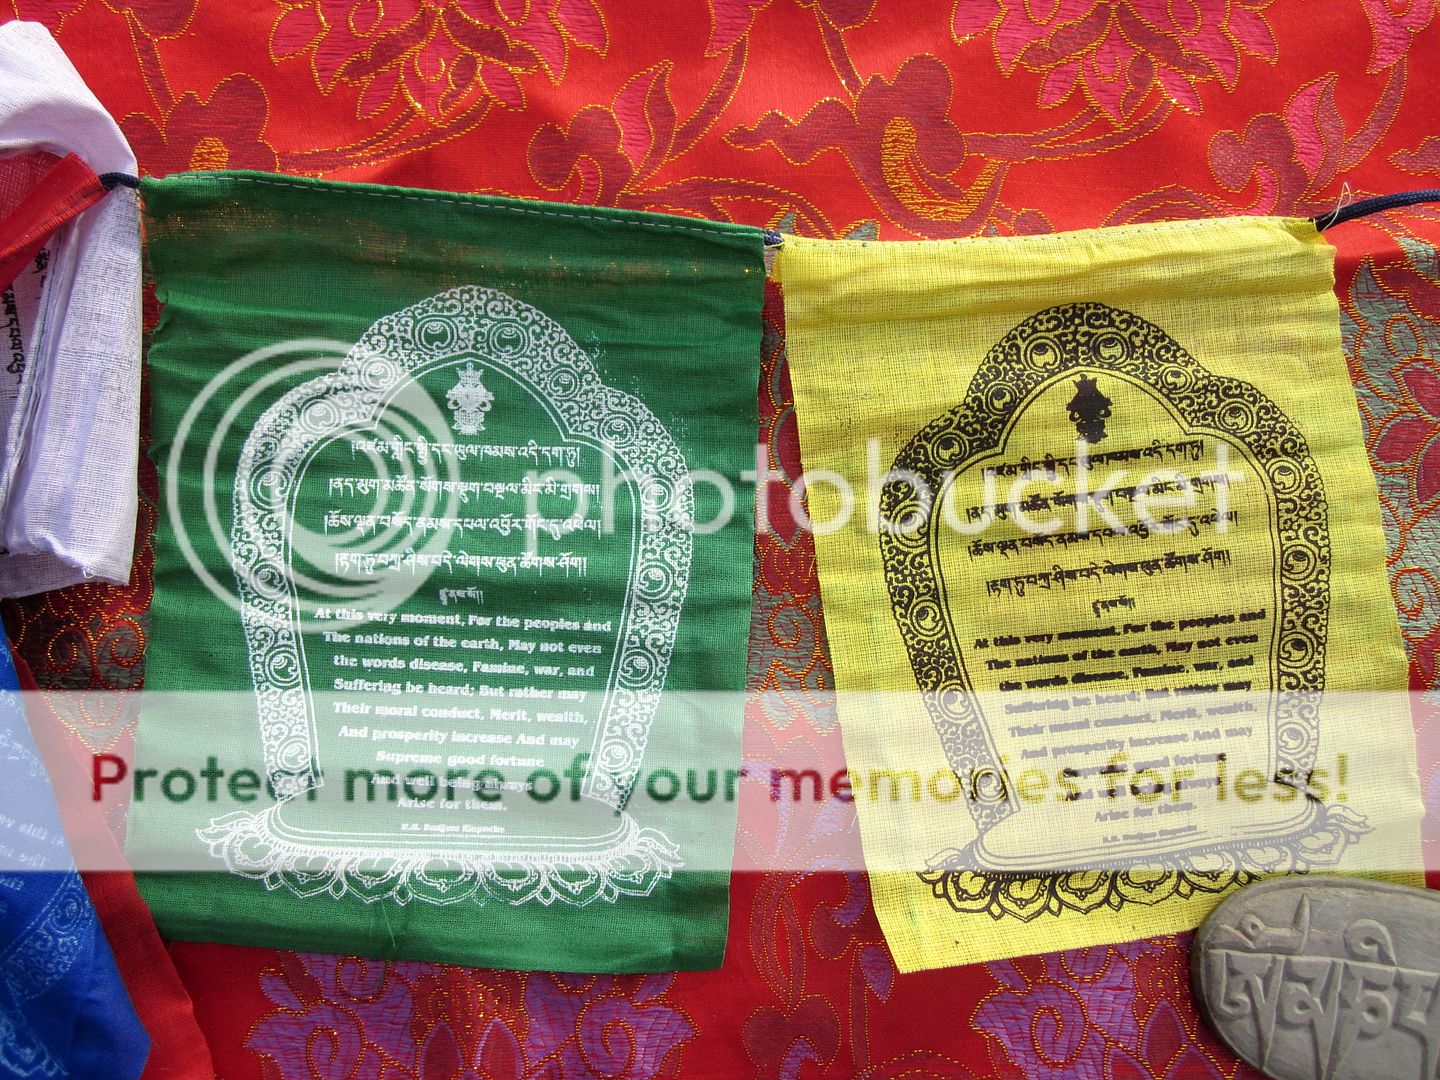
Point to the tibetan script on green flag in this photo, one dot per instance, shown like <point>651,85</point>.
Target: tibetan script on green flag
<point>453,552</point>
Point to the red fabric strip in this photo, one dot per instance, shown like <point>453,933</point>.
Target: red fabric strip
<point>39,192</point>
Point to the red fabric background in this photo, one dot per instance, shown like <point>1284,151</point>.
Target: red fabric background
<point>897,118</point>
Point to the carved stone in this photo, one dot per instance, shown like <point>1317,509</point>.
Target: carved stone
<point>1324,978</point>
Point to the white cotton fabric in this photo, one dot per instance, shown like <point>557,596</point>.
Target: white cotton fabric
<point>68,482</point>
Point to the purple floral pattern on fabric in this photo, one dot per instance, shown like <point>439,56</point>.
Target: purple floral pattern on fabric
<point>350,1019</point>
<point>1101,1014</point>
<point>602,1025</point>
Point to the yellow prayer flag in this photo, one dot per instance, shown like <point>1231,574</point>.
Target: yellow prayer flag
<point>1104,578</point>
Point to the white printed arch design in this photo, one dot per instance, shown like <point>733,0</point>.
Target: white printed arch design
<point>468,320</point>
<point>494,328</point>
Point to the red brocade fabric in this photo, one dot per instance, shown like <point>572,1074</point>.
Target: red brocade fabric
<point>899,119</point>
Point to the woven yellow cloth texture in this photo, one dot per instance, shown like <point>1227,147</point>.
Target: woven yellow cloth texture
<point>1095,524</point>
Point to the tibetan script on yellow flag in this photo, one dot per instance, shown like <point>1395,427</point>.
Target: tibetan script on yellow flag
<point>1104,577</point>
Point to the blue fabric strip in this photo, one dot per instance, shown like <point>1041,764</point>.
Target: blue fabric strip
<point>64,1011</point>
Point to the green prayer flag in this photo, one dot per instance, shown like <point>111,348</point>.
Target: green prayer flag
<point>452,574</point>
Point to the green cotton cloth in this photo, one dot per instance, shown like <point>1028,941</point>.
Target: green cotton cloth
<point>376,414</point>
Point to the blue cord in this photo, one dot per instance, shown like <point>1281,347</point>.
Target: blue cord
<point>1379,203</point>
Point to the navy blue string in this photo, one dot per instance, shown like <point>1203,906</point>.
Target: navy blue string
<point>1379,203</point>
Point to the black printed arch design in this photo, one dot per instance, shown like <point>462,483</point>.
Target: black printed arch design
<point>1091,336</point>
